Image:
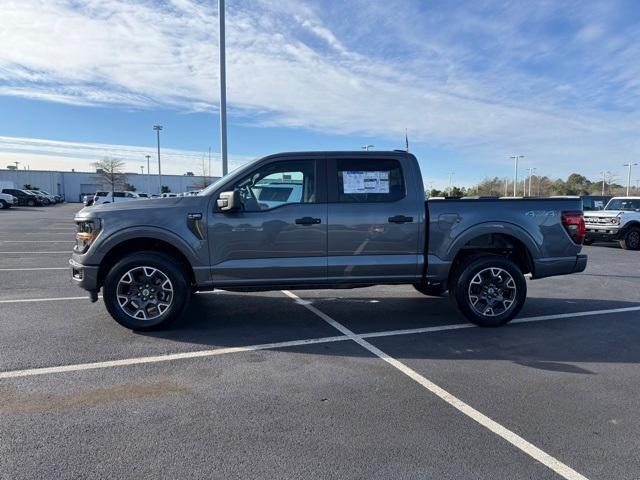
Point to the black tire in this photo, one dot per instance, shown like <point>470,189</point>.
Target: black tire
<point>631,240</point>
<point>499,296</point>
<point>3,205</point>
<point>31,203</point>
<point>587,241</point>
<point>431,290</point>
<point>179,283</point>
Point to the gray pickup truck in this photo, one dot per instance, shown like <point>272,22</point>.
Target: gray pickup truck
<point>322,220</point>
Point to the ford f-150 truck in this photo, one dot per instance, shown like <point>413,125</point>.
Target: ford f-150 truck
<point>350,219</point>
<point>620,220</point>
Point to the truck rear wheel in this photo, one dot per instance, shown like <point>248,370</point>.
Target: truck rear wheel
<point>488,290</point>
<point>631,240</point>
<point>146,291</point>
<point>3,205</point>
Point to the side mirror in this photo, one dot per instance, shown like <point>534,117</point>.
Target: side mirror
<point>229,201</point>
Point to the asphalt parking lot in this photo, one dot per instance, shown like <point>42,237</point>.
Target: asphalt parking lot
<point>369,383</point>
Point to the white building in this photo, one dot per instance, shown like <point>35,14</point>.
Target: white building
<point>74,185</point>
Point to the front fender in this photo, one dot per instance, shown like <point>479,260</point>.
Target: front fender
<point>195,252</point>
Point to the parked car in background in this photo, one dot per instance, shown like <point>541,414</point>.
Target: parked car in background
<point>24,197</point>
<point>594,202</point>
<point>46,199</point>
<point>340,220</point>
<point>618,221</point>
<point>87,200</point>
<point>7,201</point>
<point>109,197</point>
<point>55,198</point>
<point>144,195</point>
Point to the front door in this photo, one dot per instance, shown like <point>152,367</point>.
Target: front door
<point>374,221</point>
<point>280,234</point>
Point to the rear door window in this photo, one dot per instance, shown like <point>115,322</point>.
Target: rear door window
<point>369,180</point>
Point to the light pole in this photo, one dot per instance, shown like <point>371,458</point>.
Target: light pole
<point>604,180</point>
<point>451,174</point>
<point>367,147</point>
<point>629,175</point>
<point>157,128</point>
<point>223,87</point>
<point>531,171</point>
<point>148,172</point>
<point>515,173</point>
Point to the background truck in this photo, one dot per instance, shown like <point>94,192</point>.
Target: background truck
<point>358,219</point>
<point>619,221</point>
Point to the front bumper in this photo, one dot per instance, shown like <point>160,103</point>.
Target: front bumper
<point>602,233</point>
<point>85,275</point>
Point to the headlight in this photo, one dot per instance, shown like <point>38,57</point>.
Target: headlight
<point>615,221</point>
<point>88,230</point>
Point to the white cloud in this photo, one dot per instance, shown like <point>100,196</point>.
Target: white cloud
<point>41,154</point>
<point>463,78</point>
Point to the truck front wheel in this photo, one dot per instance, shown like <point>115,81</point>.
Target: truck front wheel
<point>146,291</point>
<point>488,290</point>
<point>631,240</point>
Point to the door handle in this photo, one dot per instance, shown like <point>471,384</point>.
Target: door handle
<point>307,221</point>
<point>400,219</point>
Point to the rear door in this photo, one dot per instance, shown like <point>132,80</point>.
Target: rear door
<point>374,221</point>
<point>280,235</point>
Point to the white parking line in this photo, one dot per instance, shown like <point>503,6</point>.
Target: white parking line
<point>32,269</point>
<point>70,240</point>
<point>32,253</point>
<point>165,358</point>
<point>514,439</point>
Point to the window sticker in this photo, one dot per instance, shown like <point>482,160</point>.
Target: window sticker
<point>365,182</point>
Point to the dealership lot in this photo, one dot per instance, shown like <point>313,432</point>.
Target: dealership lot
<point>369,383</point>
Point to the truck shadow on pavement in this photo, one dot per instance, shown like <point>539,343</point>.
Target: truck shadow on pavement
<point>230,320</point>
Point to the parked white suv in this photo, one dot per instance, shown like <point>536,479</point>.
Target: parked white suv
<point>7,201</point>
<point>619,221</point>
<point>108,197</point>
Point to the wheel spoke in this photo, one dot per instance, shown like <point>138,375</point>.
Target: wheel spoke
<point>144,293</point>
<point>492,291</point>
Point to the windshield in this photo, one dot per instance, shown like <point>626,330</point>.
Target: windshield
<point>206,191</point>
<point>626,204</point>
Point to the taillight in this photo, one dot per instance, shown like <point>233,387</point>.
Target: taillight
<point>574,224</point>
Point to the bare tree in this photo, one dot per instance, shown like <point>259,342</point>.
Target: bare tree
<point>109,171</point>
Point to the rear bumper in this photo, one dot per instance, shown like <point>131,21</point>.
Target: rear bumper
<point>86,276</point>
<point>549,267</point>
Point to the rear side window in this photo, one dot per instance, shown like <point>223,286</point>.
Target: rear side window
<point>369,180</point>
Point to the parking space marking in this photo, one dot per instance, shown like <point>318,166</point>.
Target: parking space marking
<point>37,241</point>
<point>166,357</point>
<point>513,438</point>
<point>53,299</point>
<point>32,269</point>
<point>31,253</point>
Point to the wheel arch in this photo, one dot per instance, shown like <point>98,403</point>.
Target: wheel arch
<point>159,242</point>
<point>513,243</point>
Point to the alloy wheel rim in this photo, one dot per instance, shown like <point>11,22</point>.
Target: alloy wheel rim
<point>492,292</point>
<point>634,239</point>
<point>144,293</point>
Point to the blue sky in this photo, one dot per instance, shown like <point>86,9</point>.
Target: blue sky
<point>472,82</point>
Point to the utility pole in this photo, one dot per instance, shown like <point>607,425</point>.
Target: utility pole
<point>223,87</point>
<point>141,169</point>
<point>148,172</point>
<point>531,170</point>
<point>629,175</point>
<point>367,147</point>
<point>157,128</point>
<point>515,174</point>
<point>450,177</point>
<point>506,186</point>
<point>604,181</point>
<point>209,163</point>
